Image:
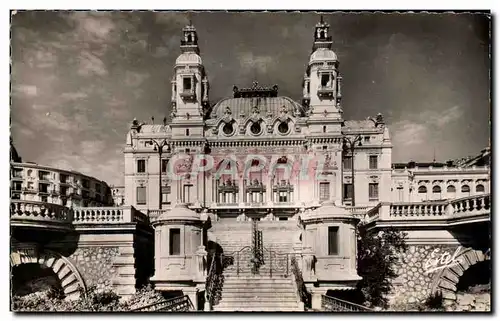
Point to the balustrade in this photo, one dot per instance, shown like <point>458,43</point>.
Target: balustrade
<point>39,211</point>
<point>181,303</point>
<point>329,303</point>
<point>89,215</point>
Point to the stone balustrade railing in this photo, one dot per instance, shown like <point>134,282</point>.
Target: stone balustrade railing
<point>467,206</point>
<point>443,169</point>
<point>40,211</point>
<point>106,215</point>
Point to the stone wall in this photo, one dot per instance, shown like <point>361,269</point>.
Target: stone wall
<point>471,302</point>
<point>413,285</point>
<point>95,264</point>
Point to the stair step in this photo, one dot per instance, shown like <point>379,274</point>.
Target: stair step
<point>248,298</point>
<point>242,309</point>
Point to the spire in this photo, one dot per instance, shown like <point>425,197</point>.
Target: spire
<point>321,37</point>
<point>189,41</point>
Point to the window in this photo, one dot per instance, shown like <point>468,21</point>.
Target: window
<point>165,195</point>
<point>63,178</point>
<point>64,202</point>
<point>187,131</point>
<point>98,188</point>
<point>367,139</point>
<point>63,190</point>
<point>451,189</point>
<point>186,84</point>
<point>283,128</point>
<point>400,194</point>
<point>141,195</point>
<point>324,129</point>
<point>186,196</point>
<point>141,166</point>
<point>85,194</point>
<point>228,129</point>
<point>85,183</point>
<point>17,186</point>
<point>255,128</point>
<point>325,147</point>
<point>373,191</point>
<point>347,162</point>
<point>325,79</point>
<point>422,189</point>
<point>348,191</point>
<point>44,199</point>
<point>373,161</point>
<point>333,241</point>
<point>436,189</point>
<point>283,218</point>
<point>44,176</point>
<point>480,188</point>
<point>283,197</point>
<point>465,189</point>
<point>43,188</point>
<point>324,191</point>
<point>174,241</point>
<point>18,173</point>
<point>164,165</point>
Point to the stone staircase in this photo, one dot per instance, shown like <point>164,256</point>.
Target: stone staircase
<point>272,289</point>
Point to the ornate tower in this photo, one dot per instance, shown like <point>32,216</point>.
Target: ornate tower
<point>189,88</point>
<point>322,80</point>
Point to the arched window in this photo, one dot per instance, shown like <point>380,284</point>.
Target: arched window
<point>451,189</point>
<point>422,189</point>
<point>324,129</point>
<point>465,189</point>
<point>436,189</point>
<point>480,188</point>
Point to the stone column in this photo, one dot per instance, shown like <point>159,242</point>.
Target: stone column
<point>316,299</point>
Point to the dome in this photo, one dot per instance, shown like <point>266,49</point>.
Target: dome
<point>323,54</point>
<point>179,212</point>
<point>245,106</point>
<point>328,210</point>
<point>188,58</point>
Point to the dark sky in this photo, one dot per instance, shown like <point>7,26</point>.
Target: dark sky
<point>79,78</point>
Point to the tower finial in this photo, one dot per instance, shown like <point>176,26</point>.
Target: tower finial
<point>321,17</point>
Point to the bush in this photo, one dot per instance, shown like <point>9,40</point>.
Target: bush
<point>378,254</point>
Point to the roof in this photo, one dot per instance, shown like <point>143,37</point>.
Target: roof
<point>155,128</point>
<point>323,54</point>
<point>359,124</point>
<point>247,106</point>
<point>188,58</point>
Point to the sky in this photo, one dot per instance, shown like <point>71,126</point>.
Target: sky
<point>78,79</point>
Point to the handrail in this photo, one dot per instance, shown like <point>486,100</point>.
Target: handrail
<point>329,303</point>
<point>210,283</point>
<point>180,303</point>
<point>299,282</point>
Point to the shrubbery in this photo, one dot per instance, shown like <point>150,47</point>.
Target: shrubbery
<point>92,300</point>
<point>378,255</point>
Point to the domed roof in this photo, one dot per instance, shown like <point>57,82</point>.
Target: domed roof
<point>188,58</point>
<point>179,212</point>
<point>247,106</point>
<point>328,210</point>
<point>323,54</point>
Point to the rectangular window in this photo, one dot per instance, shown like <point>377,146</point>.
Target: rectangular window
<point>165,195</point>
<point>64,202</point>
<point>141,195</point>
<point>333,240</point>
<point>325,78</point>
<point>63,190</point>
<point>373,161</point>
<point>98,188</point>
<point>348,191</point>
<point>324,191</point>
<point>283,218</point>
<point>43,188</point>
<point>17,186</point>
<point>63,178</point>
<point>373,191</point>
<point>347,163</point>
<point>164,165</point>
<point>141,166</point>
<point>85,183</point>
<point>400,194</point>
<point>44,176</point>
<point>186,83</point>
<point>283,197</point>
<point>175,241</point>
<point>186,195</point>
<point>18,173</point>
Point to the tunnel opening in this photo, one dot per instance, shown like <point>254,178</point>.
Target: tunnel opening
<point>32,277</point>
<point>476,279</point>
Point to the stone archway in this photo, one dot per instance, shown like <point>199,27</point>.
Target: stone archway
<point>71,280</point>
<point>447,279</point>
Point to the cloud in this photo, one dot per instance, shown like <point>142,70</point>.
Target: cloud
<point>74,95</point>
<point>248,61</point>
<point>90,64</point>
<point>134,79</point>
<point>93,26</point>
<point>26,90</point>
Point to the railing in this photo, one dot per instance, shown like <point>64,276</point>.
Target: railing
<point>210,285</point>
<point>299,283</point>
<point>331,304</point>
<point>257,249</point>
<point>463,207</point>
<point>181,303</point>
<point>39,211</point>
<point>98,215</point>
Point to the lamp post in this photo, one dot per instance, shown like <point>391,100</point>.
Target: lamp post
<point>349,144</point>
<point>158,147</point>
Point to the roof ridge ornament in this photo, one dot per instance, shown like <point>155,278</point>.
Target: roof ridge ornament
<point>255,90</point>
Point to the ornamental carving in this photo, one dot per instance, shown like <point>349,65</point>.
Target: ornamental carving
<point>374,179</point>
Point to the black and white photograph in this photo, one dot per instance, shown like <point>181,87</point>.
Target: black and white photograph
<point>250,161</point>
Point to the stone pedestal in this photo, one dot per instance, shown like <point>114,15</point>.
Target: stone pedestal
<point>316,299</point>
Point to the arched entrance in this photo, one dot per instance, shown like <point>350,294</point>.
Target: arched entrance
<point>70,280</point>
<point>447,280</point>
